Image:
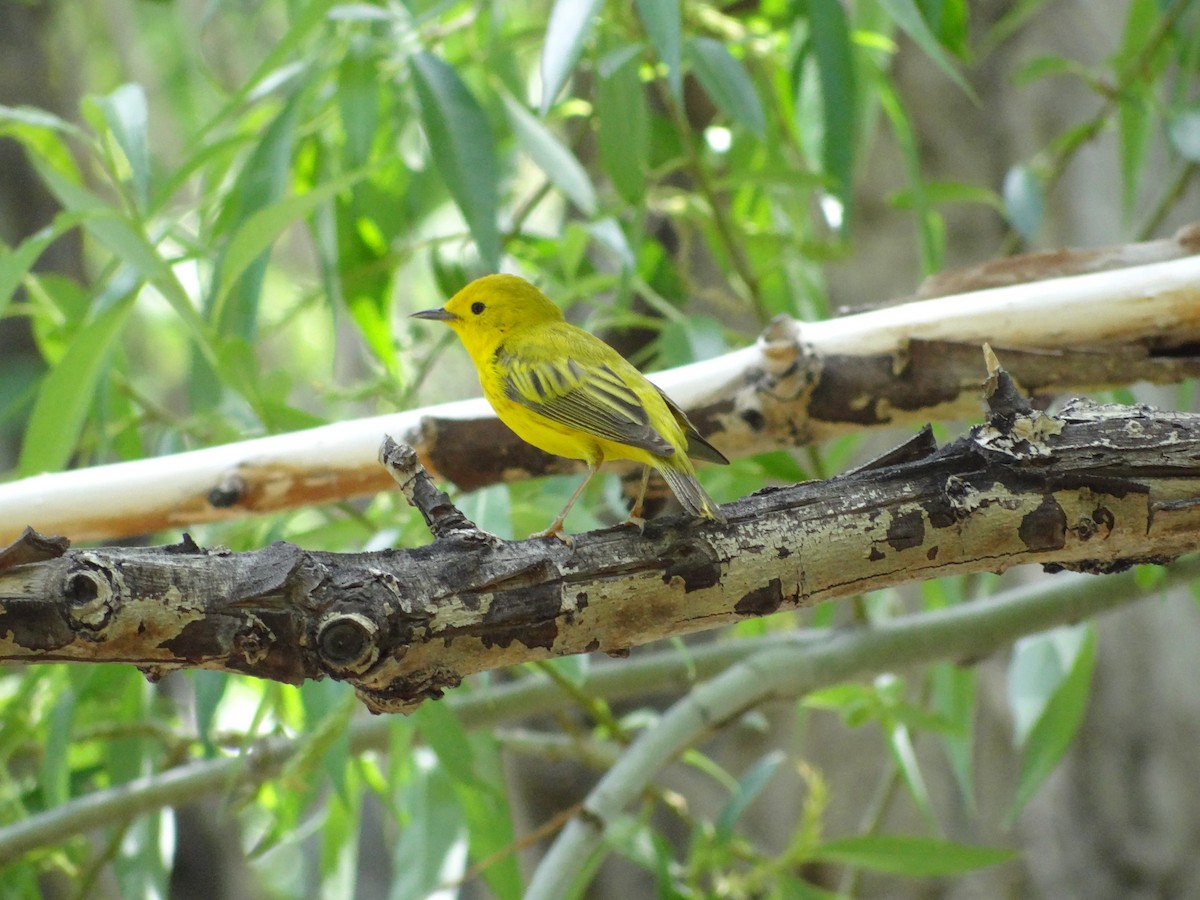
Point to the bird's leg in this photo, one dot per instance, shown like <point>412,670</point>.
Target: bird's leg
<point>635,512</point>
<point>556,527</point>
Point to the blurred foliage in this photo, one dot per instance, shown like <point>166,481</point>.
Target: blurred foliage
<point>266,189</point>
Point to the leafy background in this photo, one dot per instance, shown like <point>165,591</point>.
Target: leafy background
<point>217,216</point>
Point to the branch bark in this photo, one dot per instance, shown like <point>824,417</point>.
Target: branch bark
<point>1094,488</point>
<point>801,382</point>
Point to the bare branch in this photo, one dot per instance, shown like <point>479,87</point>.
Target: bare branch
<point>800,382</point>
<point>1094,488</point>
<point>817,658</point>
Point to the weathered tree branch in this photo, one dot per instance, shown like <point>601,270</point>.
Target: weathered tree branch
<point>1094,488</point>
<point>801,382</point>
<point>811,658</point>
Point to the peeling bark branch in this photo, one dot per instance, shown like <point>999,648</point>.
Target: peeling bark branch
<point>801,382</point>
<point>818,657</point>
<point>1095,488</point>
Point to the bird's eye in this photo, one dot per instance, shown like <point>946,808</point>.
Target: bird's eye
<point>477,307</point>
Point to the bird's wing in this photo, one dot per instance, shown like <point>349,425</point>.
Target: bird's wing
<point>697,446</point>
<point>591,397</point>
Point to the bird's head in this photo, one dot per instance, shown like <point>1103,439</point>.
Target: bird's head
<point>490,308</point>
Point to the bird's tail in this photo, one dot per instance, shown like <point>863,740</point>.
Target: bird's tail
<point>691,495</point>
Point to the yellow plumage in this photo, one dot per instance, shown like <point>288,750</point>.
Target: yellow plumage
<point>567,392</point>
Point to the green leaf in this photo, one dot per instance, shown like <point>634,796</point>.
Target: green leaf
<point>66,394</point>
<point>1183,130</point>
<point>209,688</point>
<point>942,192</point>
<point>254,236</point>
<point>691,338</point>
<point>948,19</point>
<point>574,668</point>
<point>749,787</point>
<point>341,830</point>
<point>930,235</point>
<point>1040,663</point>
<point>434,827</point>
<point>461,144</point>
<point>232,304</point>
<point>623,126</point>
<point>41,134</point>
<point>127,117</point>
<point>905,756</point>
<point>1136,123</point>
<point>325,745</point>
<point>908,17</point>
<point>607,233</point>
<point>1055,729</point>
<point>33,117</point>
<point>1046,66</point>
<point>1135,127</point>
<point>570,22</point>
<point>104,223</point>
<point>727,83</point>
<point>953,698</point>
<point>489,819</point>
<point>448,739</point>
<point>1023,200</point>
<point>1015,17</point>
<point>14,264</point>
<point>910,855</point>
<point>56,767</point>
<point>358,84</point>
<point>661,19</point>
<point>545,149</point>
<point>839,93</point>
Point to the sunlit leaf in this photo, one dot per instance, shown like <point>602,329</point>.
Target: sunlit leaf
<point>209,688</point>
<point>1039,665</point>
<point>127,116</point>
<point>905,756</point>
<point>1055,729</point>
<point>749,787</point>
<point>448,739</point>
<point>907,16</point>
<point>839,92</point>
<point>622,121</point>
<point>1183,129</point>
<point>358,103</point>
<point>661,19</point>
<point>1023,200</point>
<point>254,236</point>
<point>1045,66</point>
<point>727,83</point>
<point>570,22</point>
<point>16,262</point>
<point>913,856</point>
<point>545,149</point>
<point>431,844</point>
<point>461,144</point>
<point>67,393</point>
<point>56,769</point>
<point>232,304</point>
<point>489,819</point>
<point>953,697</point>
<point>930,237</point>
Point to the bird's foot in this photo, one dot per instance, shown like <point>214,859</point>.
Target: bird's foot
<point>555,530</point>
<point>637,522</point>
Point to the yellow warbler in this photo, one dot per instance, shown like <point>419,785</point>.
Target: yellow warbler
<point>570,394</point>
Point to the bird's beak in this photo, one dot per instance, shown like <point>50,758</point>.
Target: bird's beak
<point>440,314</point>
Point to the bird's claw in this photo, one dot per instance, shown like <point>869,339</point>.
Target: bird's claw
<point>557,532</point>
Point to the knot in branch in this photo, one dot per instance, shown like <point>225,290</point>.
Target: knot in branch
<point>92,590</point>
<point>348,643</point>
